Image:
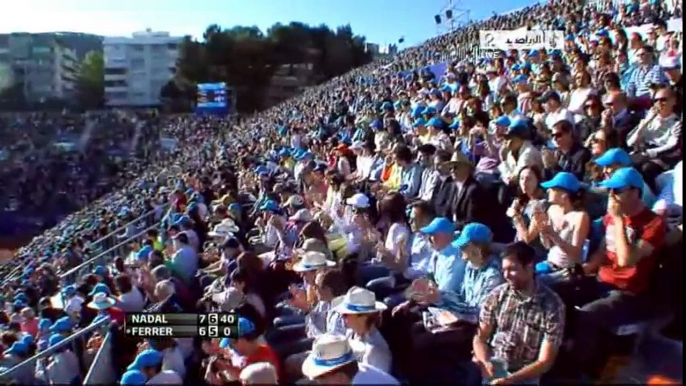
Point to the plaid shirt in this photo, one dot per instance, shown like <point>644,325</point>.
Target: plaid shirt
<point>522,324</point>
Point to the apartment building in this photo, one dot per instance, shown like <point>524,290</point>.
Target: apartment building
<point>40,65</point>
<point>137,67</point>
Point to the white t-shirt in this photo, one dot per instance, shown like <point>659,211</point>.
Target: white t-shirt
<point>368,375</point>
<point>166,377</point>
<point>557,116</point>
<point>132,301</point>
<point>396,233</point>
<point>173,361</point>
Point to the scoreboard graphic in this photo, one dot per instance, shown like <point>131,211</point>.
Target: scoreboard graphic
<point>209,325</point>
<point>212,96</point>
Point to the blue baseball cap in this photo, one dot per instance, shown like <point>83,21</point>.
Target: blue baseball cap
<point>521,78</point>
<point>133,378</point>
<point>100,288</point>
<point>245,326</point>
<point>62,325</point>
<point>614,156</point>
<point>44,324</point>
<point>270,206</point>
<point>517,128</point>
<point>55,339</point>
<point>474,233</point>
<point>144,253</point>
<point>183,220</point>
<point>261,169</point>
<point>503,120</point>
<point>429,110</point>
<point>563,180</point>
<point>100,270</point>
<point>18,347</point>
<point>533,53</point>
<point>419,122</point>
<point>438,225</point>
<point>435,122</point>
<point>376,124</point>
<point>623,178</point>
<point>417,111</point>
<point>28,339</point>
<point>148,358</point>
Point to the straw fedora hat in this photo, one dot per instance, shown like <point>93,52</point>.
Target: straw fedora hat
<point>359,301</point>
<point>329,352</point>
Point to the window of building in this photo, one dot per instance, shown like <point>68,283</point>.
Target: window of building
<point>115,83</point>
<point>137,64</point>
<point>115,71</point>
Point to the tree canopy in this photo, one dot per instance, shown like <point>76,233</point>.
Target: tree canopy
<point>90,86</point>
<point>246,58</point>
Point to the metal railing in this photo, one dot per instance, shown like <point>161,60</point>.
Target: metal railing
<point>104,257</point>
<point>76,341</point>
<point>102,372</point>
<point>106,242</point>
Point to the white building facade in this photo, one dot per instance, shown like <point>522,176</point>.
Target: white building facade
<point>137,67</point>
<point>45,68</point>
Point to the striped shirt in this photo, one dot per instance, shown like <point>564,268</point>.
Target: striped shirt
<point>641,79</point>
<point>477,284</point>
<point>323,319</point>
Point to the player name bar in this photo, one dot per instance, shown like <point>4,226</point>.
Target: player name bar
<point>159,320</point>
<point>160,331</point>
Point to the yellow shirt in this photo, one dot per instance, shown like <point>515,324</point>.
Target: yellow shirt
<point>289,164</point>
<point>395,178</point>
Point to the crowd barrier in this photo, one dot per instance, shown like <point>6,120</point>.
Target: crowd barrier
<point>113,237</point>
<point>107,242</point>
<point>77,342</point>
<point>102,372</point>
<point>122,249</point>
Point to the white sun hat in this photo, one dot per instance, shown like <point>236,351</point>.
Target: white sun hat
<point>329,352</point>
<point>360,301</point>
<point>303,215</point>
<point>101,302</point>
<point>358,200</point>
<point>312,261</point>
<point>224,229</point>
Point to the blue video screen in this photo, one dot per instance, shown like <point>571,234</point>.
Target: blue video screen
<point>212,95</point>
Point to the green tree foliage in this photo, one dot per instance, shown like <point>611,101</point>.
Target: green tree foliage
<point>90,86</point>
<point>246,58</point>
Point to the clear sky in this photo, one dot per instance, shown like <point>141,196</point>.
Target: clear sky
<point>381,21</point>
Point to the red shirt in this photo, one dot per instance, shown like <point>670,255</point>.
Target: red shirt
<point>116,314</point>
<point>646,226</point>
<point>264,353</point>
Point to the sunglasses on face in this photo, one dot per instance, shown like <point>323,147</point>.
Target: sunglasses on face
<point>558,135</point>
<point>659,100</point>
<point>618,191</point>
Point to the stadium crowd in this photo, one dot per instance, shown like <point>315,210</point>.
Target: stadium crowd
<point>501,223</point>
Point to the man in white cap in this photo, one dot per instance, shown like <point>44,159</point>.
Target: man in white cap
<point>332,361</point>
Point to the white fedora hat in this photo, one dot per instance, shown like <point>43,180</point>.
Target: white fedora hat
<point>360,301</point>
<point>312,261</point>
<point>224,229</point>
<point>303,215</point>
<point>101,302</point>
<point>329,352</point>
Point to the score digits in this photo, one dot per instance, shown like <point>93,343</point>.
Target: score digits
<point>213,325</point>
